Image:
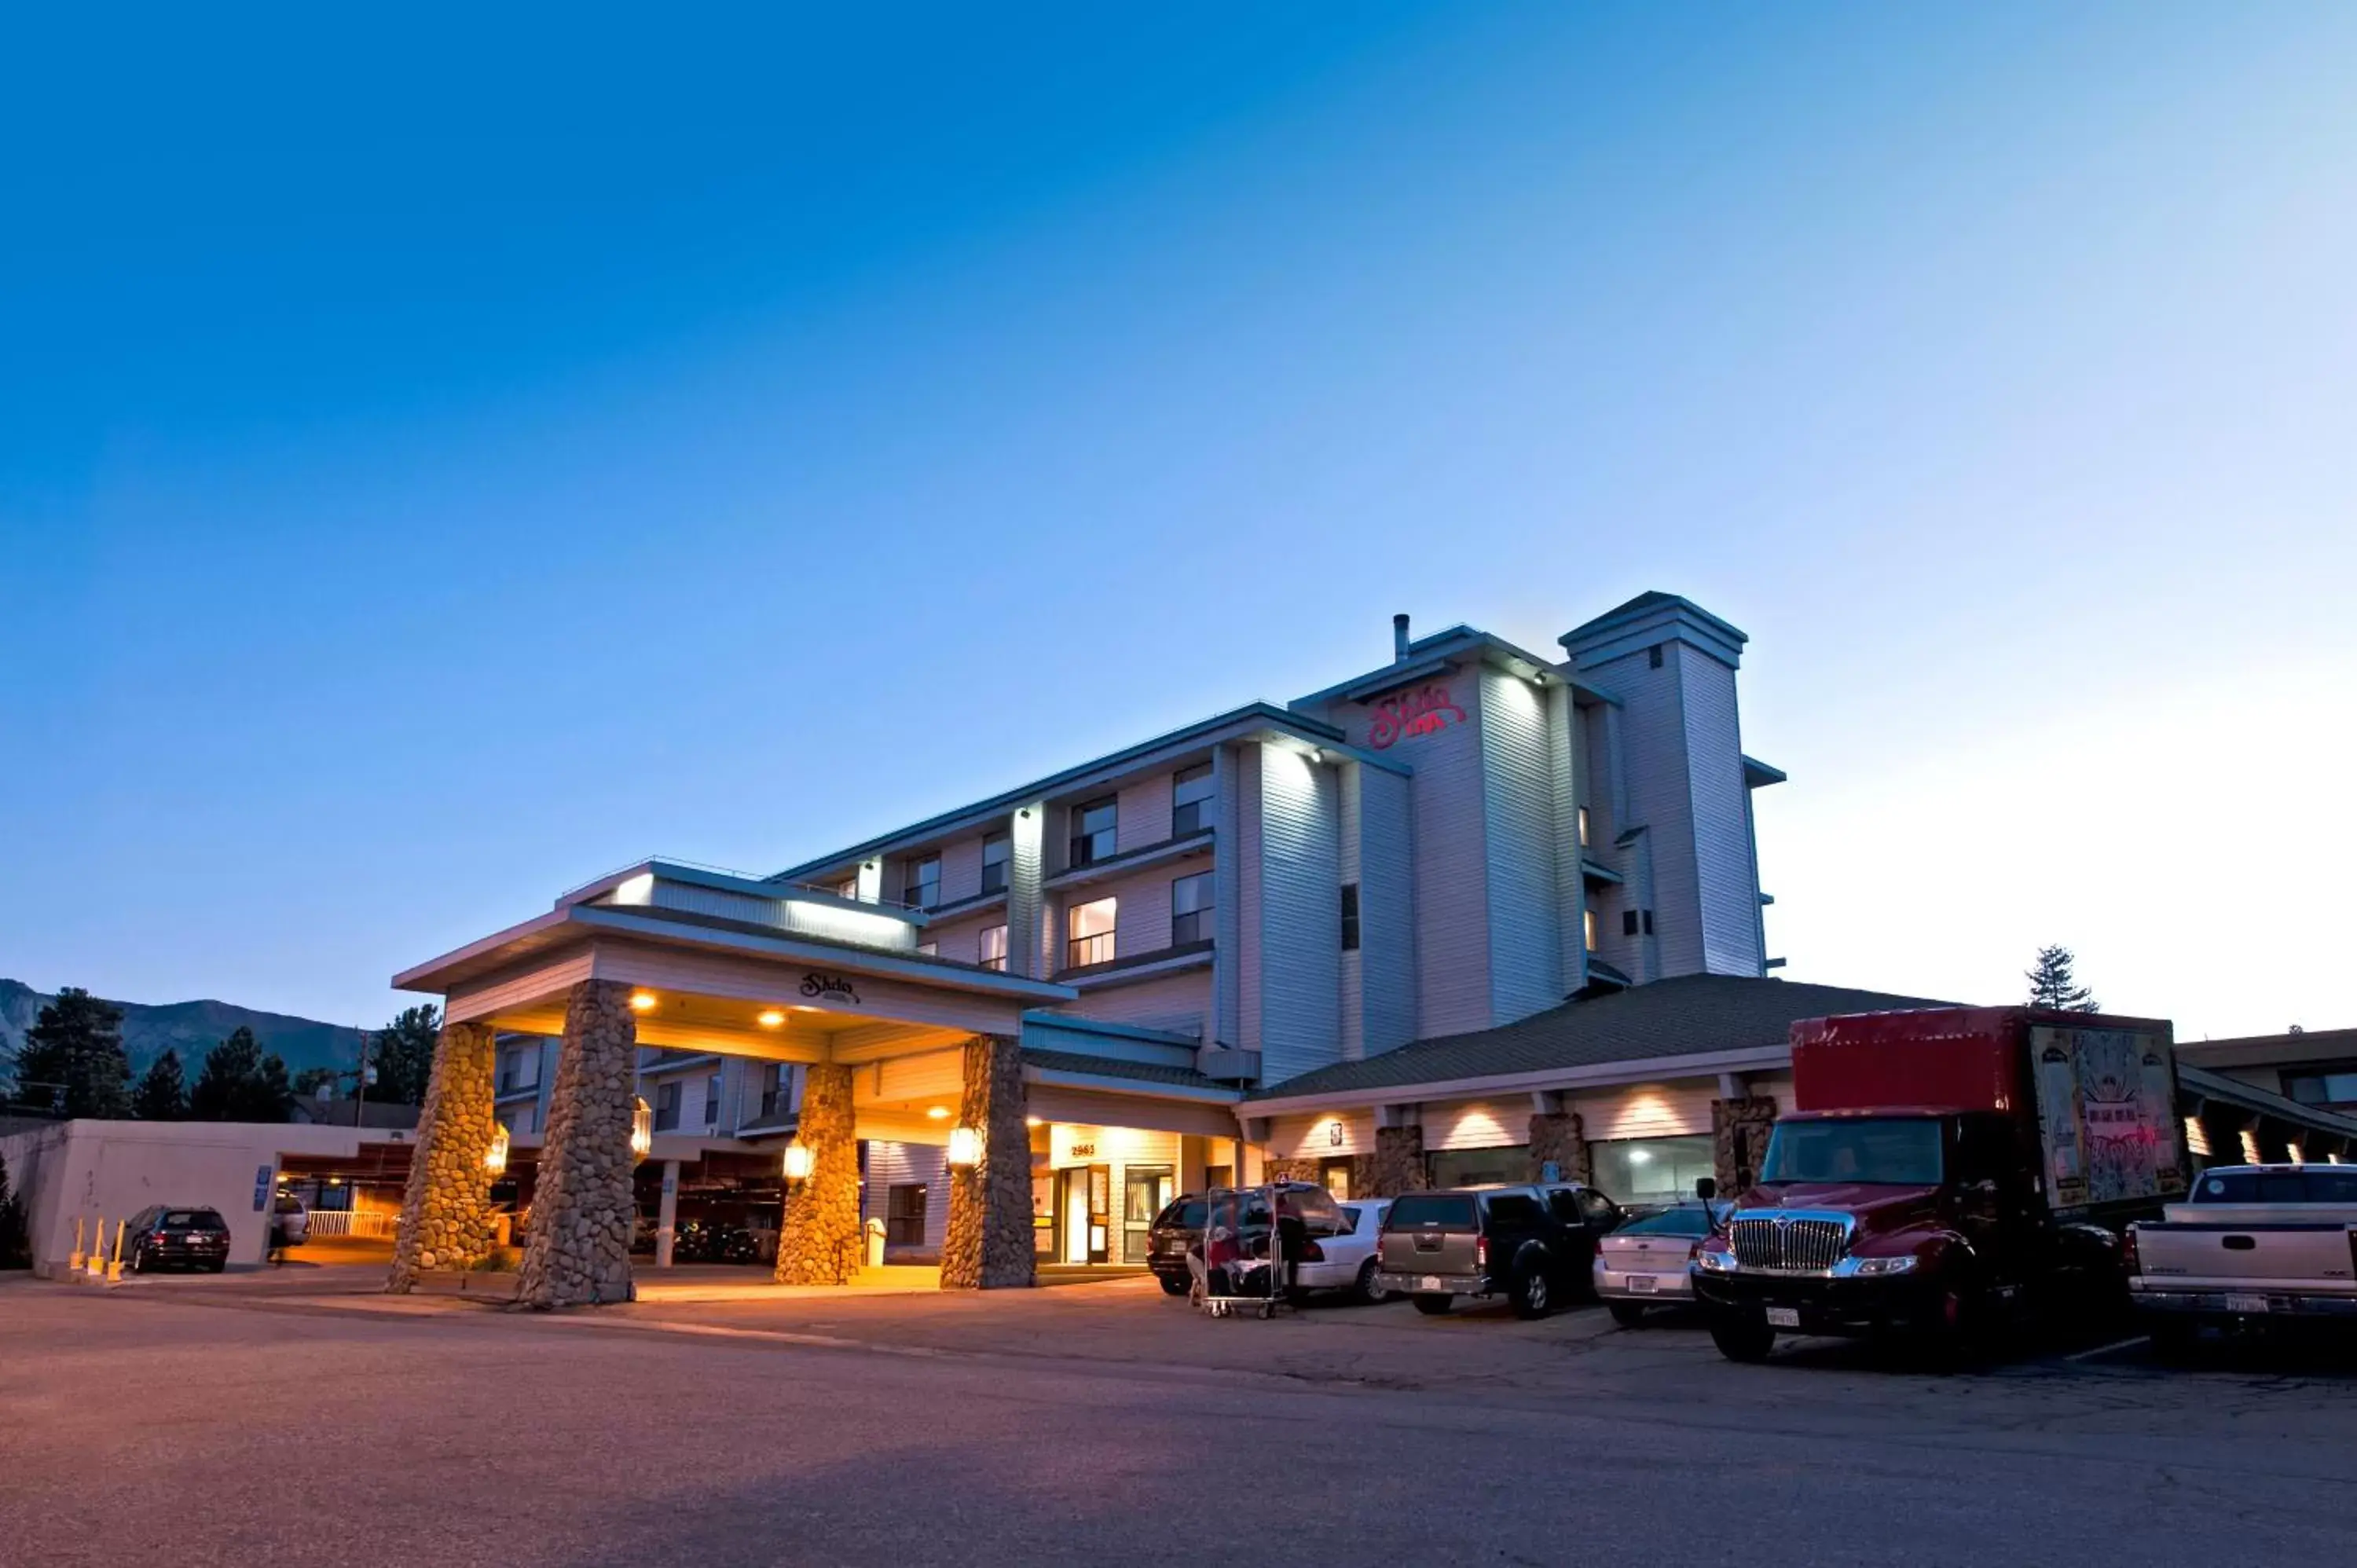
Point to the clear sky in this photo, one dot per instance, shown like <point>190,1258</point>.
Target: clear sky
<point>443,458</point>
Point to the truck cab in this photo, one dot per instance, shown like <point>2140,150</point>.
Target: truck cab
<point>1944,1167</point>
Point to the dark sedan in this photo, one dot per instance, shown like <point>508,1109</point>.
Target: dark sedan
<point>164,1236</point>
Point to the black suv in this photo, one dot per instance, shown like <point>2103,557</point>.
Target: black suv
<point>161,1235</point>
<point>1533,1245</point>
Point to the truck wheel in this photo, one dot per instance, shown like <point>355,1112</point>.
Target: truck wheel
<point>1530,1295</point>
<point>1742,1338</point>
<point>1370,1289</point>
<point>1627,1313</point>
<point>1957,1330</point>
<point>1172,1284</point>
<point>1432,1305</point>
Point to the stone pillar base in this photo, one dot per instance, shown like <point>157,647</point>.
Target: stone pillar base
<point>1738,1140</point>
<point>578,1252</point>
<point>1396,1166</point>
<point>446,1212</point>
<point>1557,1136</point>
<point>989,1245</point>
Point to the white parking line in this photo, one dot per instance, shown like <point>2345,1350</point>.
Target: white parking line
<point>2106,1349</point>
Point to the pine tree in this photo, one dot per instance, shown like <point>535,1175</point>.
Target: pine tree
<point>2053,986</point>
<point>14,1251</point>
<point>163,1093</point>
<point>73,1059</point>
<point>240,1083</point>
<point>404,1054</point>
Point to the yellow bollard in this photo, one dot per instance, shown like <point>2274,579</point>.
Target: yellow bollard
<point>98,1249</point>
<point>74,1263</point>
<point>115,1268</point>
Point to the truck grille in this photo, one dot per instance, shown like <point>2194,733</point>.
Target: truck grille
<point>1811,1245</point>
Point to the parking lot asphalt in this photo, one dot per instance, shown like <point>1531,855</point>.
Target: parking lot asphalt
<point>212,1426</point>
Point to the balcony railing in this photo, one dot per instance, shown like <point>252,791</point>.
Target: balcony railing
<point>1083,952</point>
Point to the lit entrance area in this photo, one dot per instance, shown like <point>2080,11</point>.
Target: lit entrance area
<point>1095,1191</point>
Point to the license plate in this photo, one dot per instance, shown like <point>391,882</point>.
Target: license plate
<point>1643,1284</point>
<point>2246,1303</point>
<point>1429,1282</point>
<point>1784,1318</point>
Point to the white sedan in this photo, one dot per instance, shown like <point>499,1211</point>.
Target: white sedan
<point>1345,1261</point>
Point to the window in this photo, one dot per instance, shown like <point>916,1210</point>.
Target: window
<point>777,1089</point>
<point>990,948</point>
<point>1654,657</point>
<point>904,1215</point>
<point>1628,922</point>
<point>1190,908</point>
<point>667,1107</point>
<point>1430,1211</point>
<point>995,848</point>
<point>1583,827</point>
<point>523,1119</point>
<point>920,883</point>
<point>929,950</point>
<point>1519,1209</point>
<point>849,887</point>
<point>1191,801</point>
<point>1090,927</point>
<point>1650,1170</point>
<point>1350,917</point>
<point>2334,1085</point>
<point>712,1101</point>
<point>518,1069</point>
<point>1093,836</point>
<point>1648,919</point>
<point>1335,1177</point>
<point>1880,1151</point>
<point>1588,926</point>
<point>1479,1167</point>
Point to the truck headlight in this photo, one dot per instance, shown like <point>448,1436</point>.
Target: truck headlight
<point>1871,1267</point>
<point>1716,1261</point>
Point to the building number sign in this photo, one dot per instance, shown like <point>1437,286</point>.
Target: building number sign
<point>1420,711</point>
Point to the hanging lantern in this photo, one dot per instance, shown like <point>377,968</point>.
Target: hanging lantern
<point>642,1130</point>
<point>965,1146</point>
<point>795,1165</point>
<point>495,1158</point>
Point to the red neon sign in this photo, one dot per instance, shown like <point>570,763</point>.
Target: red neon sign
<point>1420,711</point>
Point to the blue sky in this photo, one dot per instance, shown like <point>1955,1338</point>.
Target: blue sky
<point>438,465</point>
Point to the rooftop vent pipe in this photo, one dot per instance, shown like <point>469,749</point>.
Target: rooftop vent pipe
<point>1399,636</point>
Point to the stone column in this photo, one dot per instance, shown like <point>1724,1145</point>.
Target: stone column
<point>1738,1139</point>
<point>1557,1135</point>
<point>1396,1166</point>
<point>818,1239</point>
<point>1279,1169</point>
<point>989,1244</point>
<point>446,1214</point>
<point>577,1250</point>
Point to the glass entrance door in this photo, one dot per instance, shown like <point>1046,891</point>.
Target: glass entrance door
<point>1147,1190</point>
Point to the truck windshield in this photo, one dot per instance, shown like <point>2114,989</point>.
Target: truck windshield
<point>1894,1153</point>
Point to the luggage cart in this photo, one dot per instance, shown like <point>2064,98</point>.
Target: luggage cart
<point>1233,1278</point>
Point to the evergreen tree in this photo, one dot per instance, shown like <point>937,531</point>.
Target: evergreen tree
<point>15,1252</point>
<point>163,1092</point>
<point>2051,983</point>
<point>240,1083</point>
<point>404,1054</point>
<point>73,1057</point>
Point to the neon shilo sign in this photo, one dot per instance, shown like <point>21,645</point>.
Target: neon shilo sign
<point>1420,711</point>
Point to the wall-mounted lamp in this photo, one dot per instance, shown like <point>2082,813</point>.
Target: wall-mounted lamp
<point>495,1158</point>
<point>770,1017</point>
<point>795,1164</point>
<point>965,1146</point>
<point>642,1000</point>
<point>938,1113</point>
<point>642,1130</point>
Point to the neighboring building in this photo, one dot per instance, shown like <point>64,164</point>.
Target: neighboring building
<point>2272,1097</point>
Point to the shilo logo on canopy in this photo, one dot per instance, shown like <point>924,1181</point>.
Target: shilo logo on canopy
<point>1426,708</point>
<point>829,987</point>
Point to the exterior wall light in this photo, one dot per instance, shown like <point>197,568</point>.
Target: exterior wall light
<point>642,1130</point>
<point>965,1146</point>
<point>642,1000</point>
<point>495,1158</point>
<point>795,1165</point>
<point>770,1017</point>
<point>938,1113</point>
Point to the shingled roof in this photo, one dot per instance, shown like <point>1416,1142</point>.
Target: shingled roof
<point>1687,1016</point>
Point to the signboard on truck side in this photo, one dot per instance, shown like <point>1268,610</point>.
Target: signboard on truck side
<point>2107,1121</point>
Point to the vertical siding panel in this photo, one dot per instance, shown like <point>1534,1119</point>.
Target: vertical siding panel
<point>1565,730</point>
<point>1518,798</point>
<point>1300,919</point>
<point>1251,855</point>
<point>1726,887</point>
<point>1142,816</point>
<point>1387,910</point>
<point>1227,889</point>
<point>962,868</point>
<point>1352,1017</point>
<point>1178,1003</point>
<point>1025,846</point>
<point>1653,739</point>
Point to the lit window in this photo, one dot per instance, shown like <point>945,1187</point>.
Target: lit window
<point>667,1107</point>
<point>920,883</point>
<point>1190,910</point>
<point>991,948</point>
<point>929,950</point>
<point>1093,835</point>
<point>1191,801</point>
<point>1583,827</point>
<point>1090,928</point>
<point>994,862</point>
<point>1350,917</point>
<point>712,1101</point>
<point>1587,921</point>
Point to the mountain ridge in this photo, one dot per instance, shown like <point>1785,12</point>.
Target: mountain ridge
<point>192,1028</point>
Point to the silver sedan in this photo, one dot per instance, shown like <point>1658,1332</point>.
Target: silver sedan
<point>1649,1260</point>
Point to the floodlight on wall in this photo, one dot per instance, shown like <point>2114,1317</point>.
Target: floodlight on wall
<point>642,1128</point>
<point>495,1158</point>
<point>795,1164</point>
<point>642,1000</point>
<point>965,1146</point>
<point>772,1017</point>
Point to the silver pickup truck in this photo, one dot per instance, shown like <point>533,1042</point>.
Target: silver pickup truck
<point>2255,1244</point>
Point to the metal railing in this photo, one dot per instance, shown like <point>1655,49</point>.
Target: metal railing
<point>344,1222</point>
<point>1083,952</point>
